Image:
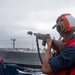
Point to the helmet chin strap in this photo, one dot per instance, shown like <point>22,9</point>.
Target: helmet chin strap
<point>62,32</point>
<point>67,35</point>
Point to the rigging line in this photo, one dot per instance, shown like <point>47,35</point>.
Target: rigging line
<point>4,54</point>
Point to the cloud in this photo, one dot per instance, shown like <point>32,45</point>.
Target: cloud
<point>19,16</point>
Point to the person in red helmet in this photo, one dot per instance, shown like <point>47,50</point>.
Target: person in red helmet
<point>64,62</point>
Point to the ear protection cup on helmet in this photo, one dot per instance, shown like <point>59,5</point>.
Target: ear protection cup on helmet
<point>58,27</point>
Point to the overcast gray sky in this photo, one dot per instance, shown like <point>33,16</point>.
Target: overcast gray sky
<point>19,16</point>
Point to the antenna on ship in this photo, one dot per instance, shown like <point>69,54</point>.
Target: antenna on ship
<point>13,43</point>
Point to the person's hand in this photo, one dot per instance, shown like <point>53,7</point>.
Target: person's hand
<point>49,42</point>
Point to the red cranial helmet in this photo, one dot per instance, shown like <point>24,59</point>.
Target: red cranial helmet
<point>69,22</point>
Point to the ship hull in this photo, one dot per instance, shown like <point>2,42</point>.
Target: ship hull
<point>24,59</point>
